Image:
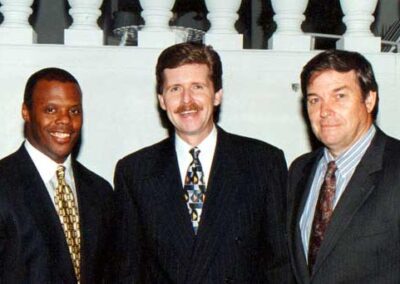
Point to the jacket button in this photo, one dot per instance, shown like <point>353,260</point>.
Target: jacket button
<point>238,240</point>
<point>228,280</point>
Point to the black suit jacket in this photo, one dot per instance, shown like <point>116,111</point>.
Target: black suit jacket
<point>362,241</point>
<point>241,237</point>
<point>32,243</point>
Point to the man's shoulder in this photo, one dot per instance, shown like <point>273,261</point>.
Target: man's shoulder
<point>11,163</point>
<point>89,176</point>
<point>304,160</point>
<point>248,143</point>
<point>147,153</point>
<point>392,142</point>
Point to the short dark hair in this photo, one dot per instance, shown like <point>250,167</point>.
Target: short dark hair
<point>342,61</point>
<point>189,53</point>
<point>48,74</point>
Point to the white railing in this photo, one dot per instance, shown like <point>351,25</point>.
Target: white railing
<point>289,15</point>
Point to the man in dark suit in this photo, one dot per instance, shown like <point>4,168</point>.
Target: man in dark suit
<point>344,225</point>
<point>36,245</point>
<point>203,206</point>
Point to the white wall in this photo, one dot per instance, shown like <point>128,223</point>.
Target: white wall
<point>120,113</point>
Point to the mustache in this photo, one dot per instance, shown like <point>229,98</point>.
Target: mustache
<point>192,106</point>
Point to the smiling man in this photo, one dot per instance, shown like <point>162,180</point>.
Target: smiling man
<point>344,198</point>
<point>202,206</point>
<point>55,215</point>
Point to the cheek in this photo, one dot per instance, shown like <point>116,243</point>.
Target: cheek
<point>170,104</point>
<point>312,115</point>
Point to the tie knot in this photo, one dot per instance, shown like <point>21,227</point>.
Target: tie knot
<point>60,173</point>
<point>195,153</point>
<point>331,169</point>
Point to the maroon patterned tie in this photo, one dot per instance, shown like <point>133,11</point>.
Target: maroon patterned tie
<point>323,213</point>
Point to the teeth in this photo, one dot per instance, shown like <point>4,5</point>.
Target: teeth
<point>60,134</point>
<point>189,111</point>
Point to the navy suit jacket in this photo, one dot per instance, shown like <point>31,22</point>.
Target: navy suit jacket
<point>362,241</point>
<point>241,237</point>
<point>32,242</point>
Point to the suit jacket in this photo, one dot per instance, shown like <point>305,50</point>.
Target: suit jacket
<point>32,242</point>
<point>362,241</point>
<point>241,237</point>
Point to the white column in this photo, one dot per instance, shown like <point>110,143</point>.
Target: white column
<point>289,14</point>
<point>156,31</point>
<point>358,19</point>
<point>15,28</point>
<point>84,29</point>
<point>223,15</point>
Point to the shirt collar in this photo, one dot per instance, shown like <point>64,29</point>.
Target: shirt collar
<point>205,146</point>
<point>360,146</point>
<point>46,166</point>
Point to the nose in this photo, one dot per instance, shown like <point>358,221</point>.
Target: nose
<point>325,110</point>
<point>186,96</point>
<point>63,117</point>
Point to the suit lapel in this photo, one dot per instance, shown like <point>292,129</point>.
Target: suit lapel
<point>88,219</point>
<point>223,184</point>
<point>43,211</point>
<point>357,191</point>
<point>301,194</point>
<point>168,190</point>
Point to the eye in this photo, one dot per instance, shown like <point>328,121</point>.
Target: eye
<point>76,111</point>
<point>50,109</point>
<point>340,96</point>
<point>174,89</point>
<point>312,100</point>
<point>198,87</point>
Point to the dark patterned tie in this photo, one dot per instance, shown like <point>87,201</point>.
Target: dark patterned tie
<point>195,188</point>
<point>323,213</point>
<point>69,218</point>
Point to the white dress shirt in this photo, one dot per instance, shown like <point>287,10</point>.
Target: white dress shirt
<point>207,150</point>
<point>47,169</point>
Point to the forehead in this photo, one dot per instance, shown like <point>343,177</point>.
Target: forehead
<point>331,79</point>
<point>53,90</point>
<point>187,71</point>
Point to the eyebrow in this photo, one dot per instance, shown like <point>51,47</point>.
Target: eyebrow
<point>340,88</point>
<point>334,90</point>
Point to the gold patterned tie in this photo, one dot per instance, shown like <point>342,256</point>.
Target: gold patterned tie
<point>69,218</point>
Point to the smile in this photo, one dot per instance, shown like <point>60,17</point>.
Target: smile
<point>188,112</point>
<point>61,135</point>
<point>329,126</point>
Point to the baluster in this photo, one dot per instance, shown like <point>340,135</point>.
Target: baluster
<point>156,31</point>
<point>223,15</point>
<point>358,19</point>
<point>289,14</point>
<point>15,28</point>
<point>84,29</point>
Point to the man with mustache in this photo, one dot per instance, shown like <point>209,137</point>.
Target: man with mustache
<point>344,197</point>
<point>202,206</point>
<point>55,214</point>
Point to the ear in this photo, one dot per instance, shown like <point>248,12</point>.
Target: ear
<point>25,113</point>
<point>370,101</point>
<point>161,101</point>
<point>218,97</point>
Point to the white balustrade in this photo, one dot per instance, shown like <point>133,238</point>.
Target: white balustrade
<point>84,29</point>
<point>222,16</point>
<point>156,31</point>
<point>15,28</point>
<point>358,19</point>
<point>289,14</point>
